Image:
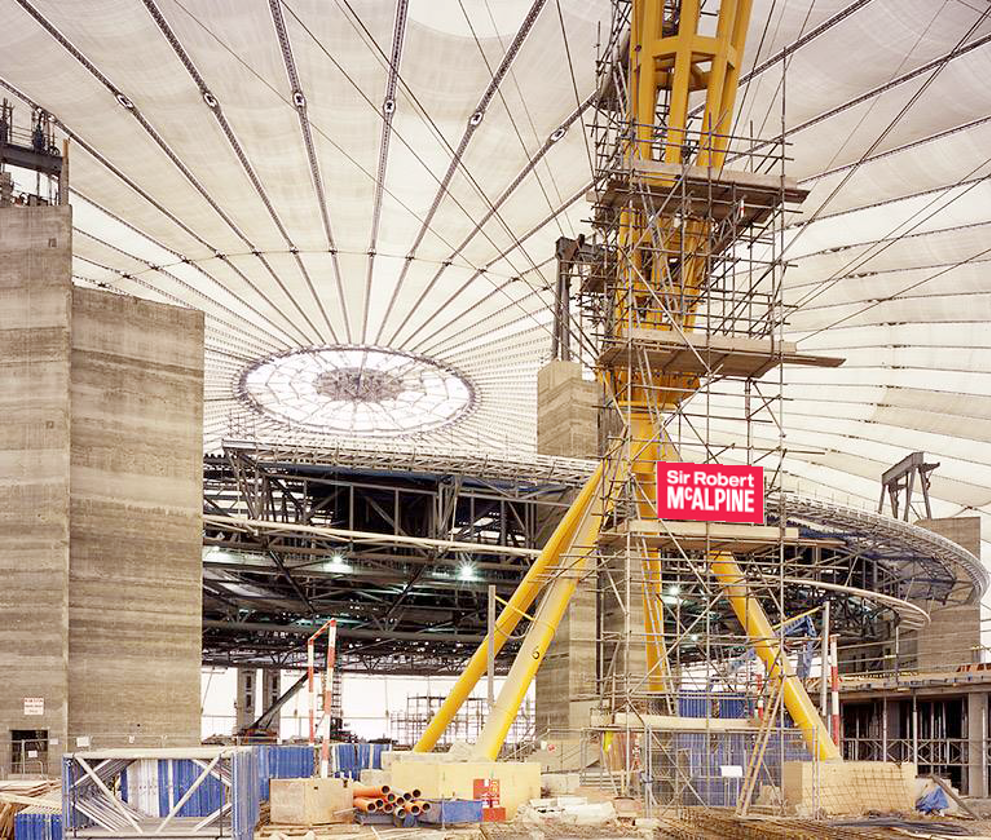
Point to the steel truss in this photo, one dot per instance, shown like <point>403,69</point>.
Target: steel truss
<point>402,607</point>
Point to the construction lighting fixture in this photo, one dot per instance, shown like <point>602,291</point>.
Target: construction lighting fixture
<point>336,563</point>
<point>466,572</point>
<point>357,391</point>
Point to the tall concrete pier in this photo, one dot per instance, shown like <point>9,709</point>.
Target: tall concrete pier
<point>101,412</point>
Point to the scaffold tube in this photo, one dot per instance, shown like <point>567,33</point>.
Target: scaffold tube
<point>521,600</point>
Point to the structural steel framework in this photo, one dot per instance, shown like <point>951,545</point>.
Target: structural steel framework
<point>688,249</point>
<point>685,288</point>
<point>401,556</point>
<point>254,616</point>
<point>687,299</point>
<point>407,727</point>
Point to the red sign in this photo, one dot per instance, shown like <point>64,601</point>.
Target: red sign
<point>710,492</point>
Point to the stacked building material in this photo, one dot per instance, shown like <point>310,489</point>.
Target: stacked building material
<point>16,796</point>
<point>381,804</point>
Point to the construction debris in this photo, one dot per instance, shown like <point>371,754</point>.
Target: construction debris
<point>17,795</point>
<point>723,824</point>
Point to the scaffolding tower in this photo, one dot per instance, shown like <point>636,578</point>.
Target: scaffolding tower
<point>683,287</point>
<point>407,727</point>
<point>682,291</point>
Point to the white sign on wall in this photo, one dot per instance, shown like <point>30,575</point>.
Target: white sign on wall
<point>34,705</point>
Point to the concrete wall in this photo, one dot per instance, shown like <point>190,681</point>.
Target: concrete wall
<point>955,632</point>
<point>35,263</point>
<point>567,411</point>
<point>566,679</point>
<point>136,520</point>
<point>100,501</point>
<point>567,426</point>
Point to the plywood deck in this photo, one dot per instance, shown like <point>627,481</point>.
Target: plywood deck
<point>699,190</point>
<point>692,536</point>
<point>669,351</point>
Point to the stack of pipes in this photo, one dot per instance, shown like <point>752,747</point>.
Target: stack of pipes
<point>372,799</point>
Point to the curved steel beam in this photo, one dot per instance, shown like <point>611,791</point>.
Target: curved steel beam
<point>348,536</point>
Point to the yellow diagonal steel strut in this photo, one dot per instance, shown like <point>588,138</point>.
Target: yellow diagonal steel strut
<point>669,58</point>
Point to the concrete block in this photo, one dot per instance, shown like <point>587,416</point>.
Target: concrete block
<point>519,782</point>
<point>375,778</point>
<point>310,801</point>
<point>848,787</point>
<point>558,784</point>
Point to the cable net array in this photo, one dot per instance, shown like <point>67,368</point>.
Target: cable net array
<point>396,175</point>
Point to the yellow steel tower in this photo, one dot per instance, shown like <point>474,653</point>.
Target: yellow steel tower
<point>657,273</point>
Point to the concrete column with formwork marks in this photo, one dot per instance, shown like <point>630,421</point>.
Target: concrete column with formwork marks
<point>35,320</point>
<point>567,412</point>
<point>953,636</point>
<point>952,639</point>
<point>977,741</point>
<point>101,417</point>
<point>246,702</point>
<point>136,530</point>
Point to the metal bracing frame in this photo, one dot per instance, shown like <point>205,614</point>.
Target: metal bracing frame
<point>409,585</point>
<point>94,803</point>
<point>901,477</point>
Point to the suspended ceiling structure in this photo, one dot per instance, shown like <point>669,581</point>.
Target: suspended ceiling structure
<point>317,179</point>
<point>319,182</point>
<point>371,235</point>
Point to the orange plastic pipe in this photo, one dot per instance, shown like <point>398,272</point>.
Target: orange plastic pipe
<point>370,791</point>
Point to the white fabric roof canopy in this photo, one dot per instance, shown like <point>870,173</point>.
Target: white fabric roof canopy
<point>261,162</point>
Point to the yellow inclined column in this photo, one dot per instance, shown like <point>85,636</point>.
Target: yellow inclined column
<point>767,646</point>
<point>561,542</point>
<point>571,567</point>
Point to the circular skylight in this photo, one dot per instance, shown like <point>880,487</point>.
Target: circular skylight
<point>357,391</point>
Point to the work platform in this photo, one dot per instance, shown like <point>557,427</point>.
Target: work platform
<point>668,351</point>
<point>701,536</point>
<point>716,193</point>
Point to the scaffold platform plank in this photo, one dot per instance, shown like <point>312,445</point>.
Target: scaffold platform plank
<point>699,536</point>
<point>698,190</point>
<point>668,351</point>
